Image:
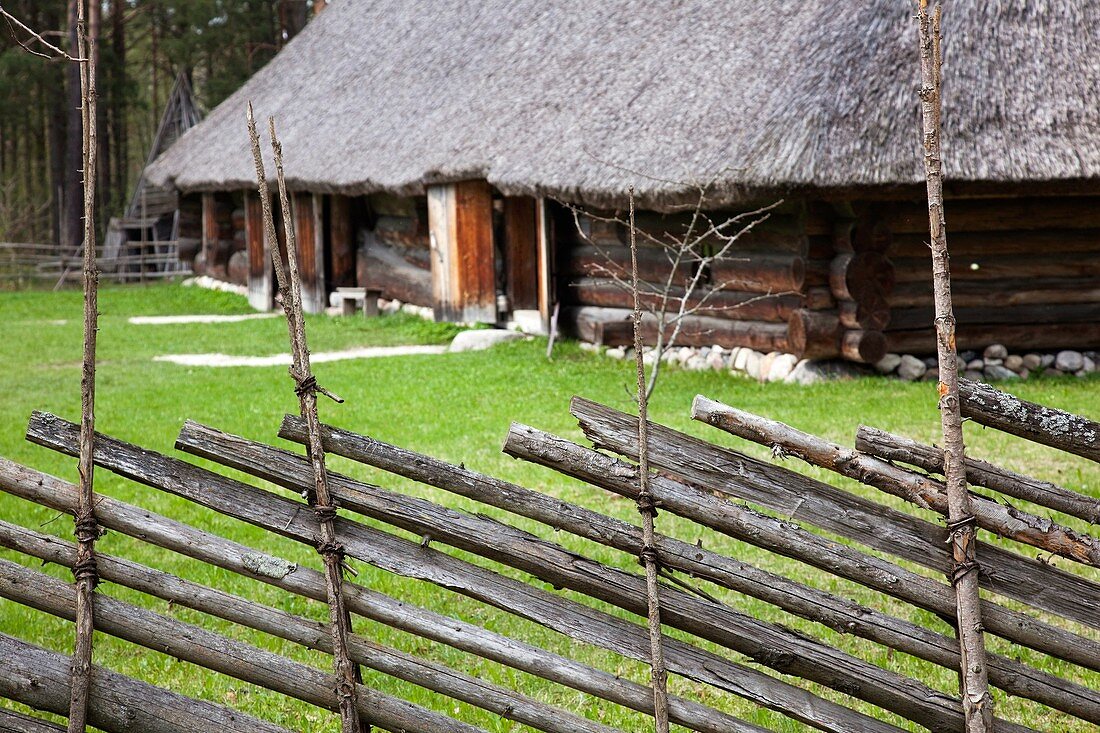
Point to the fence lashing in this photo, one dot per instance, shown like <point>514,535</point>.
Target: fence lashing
<point>429,675</point>
<point>219,653</point>
<point>348,678</point>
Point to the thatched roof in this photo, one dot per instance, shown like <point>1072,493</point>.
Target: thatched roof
<point>582,99</point>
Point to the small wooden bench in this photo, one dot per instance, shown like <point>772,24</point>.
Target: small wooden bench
<point>350,298</point>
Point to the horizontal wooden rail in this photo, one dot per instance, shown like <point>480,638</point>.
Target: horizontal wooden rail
<point>899,449</point>
<point>13,722</point>
<point>915,488</point>
<point>805,499</point>
<point>41,679</point>
<point>1046,425</point>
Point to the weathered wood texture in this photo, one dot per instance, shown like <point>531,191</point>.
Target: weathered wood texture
<point>1015,337</point>
<point>13,722</point>
<point>768,644</point>
<point>789,539</point>
<point>732,304</point>
<point>172,535</point>
<point>1039,213</point>
<point>220,654</point>
<point>261,282</point>
<point>837,613</point>
<point>899,449</point>
<point>1045,425</point>
<point>404,557</point>
<point>384,268</point>
<point>913,487</point>
<point>521,252</point>
<point>39,678</point>
<point>1012,277</point>
<point>606,326</point>
<point>800,497</point>
<point>819,335</point>
<point>429,675</point>
<point>210,227</point>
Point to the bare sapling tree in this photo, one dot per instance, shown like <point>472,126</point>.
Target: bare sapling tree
<point>306,388</point>
<point>977,702</point>
<point>689,287</point>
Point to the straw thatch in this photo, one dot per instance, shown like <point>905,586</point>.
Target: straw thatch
<point>581,99</point>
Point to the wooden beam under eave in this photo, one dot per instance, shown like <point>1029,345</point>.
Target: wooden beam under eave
<point>261,283</point>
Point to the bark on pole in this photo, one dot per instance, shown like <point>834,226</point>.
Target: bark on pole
<point>347,676</point>
<point>658,674</point>
<point>87,531</point>
<point>977,702</point>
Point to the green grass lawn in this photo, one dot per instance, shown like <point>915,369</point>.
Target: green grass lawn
<point>456,407</point>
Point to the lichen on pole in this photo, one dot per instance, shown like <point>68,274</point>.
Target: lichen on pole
<point>86,528</point>
<point>977,702</point>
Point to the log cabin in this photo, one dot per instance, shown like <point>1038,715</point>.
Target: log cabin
<point>434,151</point>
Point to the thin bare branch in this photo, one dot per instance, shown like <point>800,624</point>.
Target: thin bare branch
<point>12,22</point>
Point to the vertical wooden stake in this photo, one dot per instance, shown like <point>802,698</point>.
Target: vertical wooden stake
<point>648,510</point>
<point>977,702</point>
<point>87,530</point>
<point>306,388</point>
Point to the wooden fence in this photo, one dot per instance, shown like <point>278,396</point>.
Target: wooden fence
<point>29,263</point>
<point>699,481</point>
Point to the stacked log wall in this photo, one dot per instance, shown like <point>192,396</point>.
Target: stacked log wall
<point>794,283</point>
<point>762,281</point>
<point>1025,273</point>
<point>394,254</point>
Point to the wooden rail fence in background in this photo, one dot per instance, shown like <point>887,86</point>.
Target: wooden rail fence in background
<point>700,482</point>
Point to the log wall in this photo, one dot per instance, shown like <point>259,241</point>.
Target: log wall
<point>1025,272</point>
<point>394,247</point>
<point>853,280</point>
<point>810,280</point>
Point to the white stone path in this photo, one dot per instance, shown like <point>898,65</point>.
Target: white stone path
<point>226,360</point>
<point>163,320</point>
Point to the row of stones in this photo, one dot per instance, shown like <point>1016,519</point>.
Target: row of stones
<point>772,367</point>
<point>994,363</point>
